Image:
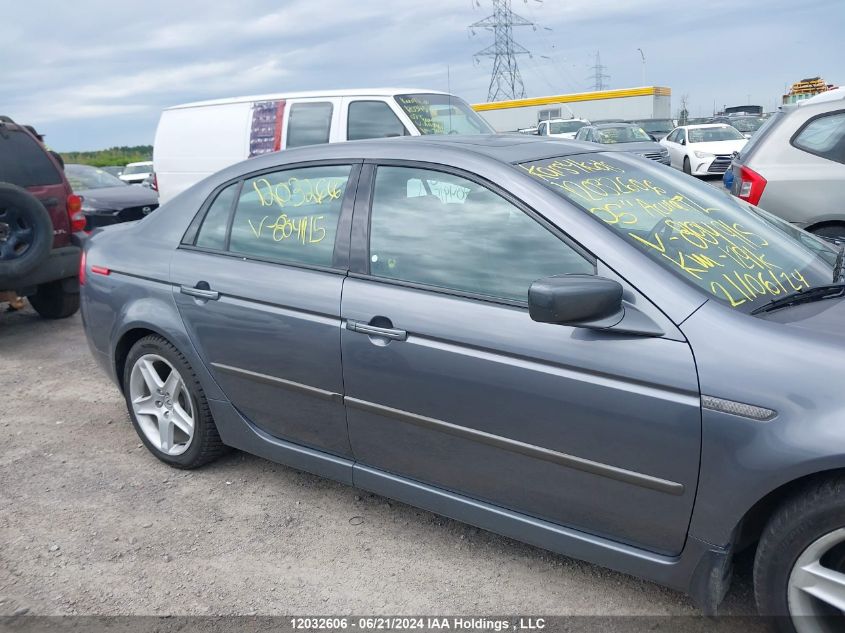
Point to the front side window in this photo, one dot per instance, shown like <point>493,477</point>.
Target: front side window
<point>290,215</point>
<point>309,123</point>
<point>442,114</point>
<point>442,230</point>
<point>725,247</point>
<point>824,136</point>
<point>372,119</point>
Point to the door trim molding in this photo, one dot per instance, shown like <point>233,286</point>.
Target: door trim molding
<point>280,382</point>
<point>529,450</point>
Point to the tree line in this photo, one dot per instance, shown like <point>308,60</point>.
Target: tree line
<point>116,156</point>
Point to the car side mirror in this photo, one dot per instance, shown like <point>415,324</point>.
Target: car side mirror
<point>579,300</point>
<point>683,141</point>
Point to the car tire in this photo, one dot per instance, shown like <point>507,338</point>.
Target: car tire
<point>809,523</point>
<point>687,168</point>
<point>175,445</point>
<point>830,232</point>
<point>54,301</point>
<point>26,233</point>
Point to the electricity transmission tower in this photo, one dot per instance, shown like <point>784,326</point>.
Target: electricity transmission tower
<point>506,81</point>
<point>598,75</point>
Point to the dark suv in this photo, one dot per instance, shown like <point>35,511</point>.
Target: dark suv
<point>39,214</point>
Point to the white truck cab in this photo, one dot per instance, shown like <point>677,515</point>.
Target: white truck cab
<point>561,128</point>
<point>195,140</point>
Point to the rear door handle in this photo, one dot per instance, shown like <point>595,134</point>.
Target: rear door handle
<point>373,330</point>
<point>200,293</point>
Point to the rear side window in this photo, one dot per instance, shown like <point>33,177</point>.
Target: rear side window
<point>824,136</point>
<point>212,234</point>
<point>309,123</point>
<point>442,230</point>
<point>372,119</point>
<point>290,215</point>
<point>23,162</point>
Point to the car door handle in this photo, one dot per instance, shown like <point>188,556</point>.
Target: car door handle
<point>373,330</point>
<point>200,293</point>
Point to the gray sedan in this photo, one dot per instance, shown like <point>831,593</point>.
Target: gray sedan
<point>566,345</point>
<point>625,137</point>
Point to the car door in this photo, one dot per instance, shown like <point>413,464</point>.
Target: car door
<point>449,382</point>
<point>258,285</point>
<point>675,149</point>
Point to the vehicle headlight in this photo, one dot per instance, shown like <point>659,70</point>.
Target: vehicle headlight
<point>703,154</point>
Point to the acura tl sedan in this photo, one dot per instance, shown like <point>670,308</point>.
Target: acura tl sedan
<point>569,346</point>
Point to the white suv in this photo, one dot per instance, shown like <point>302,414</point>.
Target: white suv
<point>794,166</point>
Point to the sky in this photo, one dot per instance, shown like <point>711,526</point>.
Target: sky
<point>91,74</point>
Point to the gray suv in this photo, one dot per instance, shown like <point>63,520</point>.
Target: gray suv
<point>555,341</point>
<point>794,166</point>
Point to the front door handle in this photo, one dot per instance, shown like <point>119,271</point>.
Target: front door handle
<point>373,330</point>
<point>200,293</point>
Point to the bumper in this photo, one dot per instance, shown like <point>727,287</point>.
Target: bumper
<point>716,165</point>
<point>62,263</point>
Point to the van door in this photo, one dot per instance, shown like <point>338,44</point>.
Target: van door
<point>373,117</point>
<point>312,121</point>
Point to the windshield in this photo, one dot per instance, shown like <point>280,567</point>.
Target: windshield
<point>622,134</point>
<point>748,124</point>
<point>565,127</point>
<point>83,177</point>
<point>656,125</point>
<point>442,114</point>
<point>138,169</point>
<point>711,134</point>
<point>731,251</point>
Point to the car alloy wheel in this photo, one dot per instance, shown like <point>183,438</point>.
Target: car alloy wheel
<point>816,586</point>
<point>162,404</point>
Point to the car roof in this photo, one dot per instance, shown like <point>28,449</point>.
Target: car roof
<point>699,126</point>
<point>620,124</point>
<point>830,95</point>
<point>353,92</point>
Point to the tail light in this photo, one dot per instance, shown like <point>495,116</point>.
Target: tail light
<point>82,261</point>
<point>74,212</point>
<point>751,185</point>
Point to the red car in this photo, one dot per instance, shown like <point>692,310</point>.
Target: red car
<point>39,215</point>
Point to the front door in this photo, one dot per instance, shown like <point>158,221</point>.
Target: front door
<point>259,287</point>
<point>449,382</point>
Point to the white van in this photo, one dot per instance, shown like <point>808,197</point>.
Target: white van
<point>195,140</point>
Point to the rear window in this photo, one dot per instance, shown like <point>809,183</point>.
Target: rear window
<point>23,162</point>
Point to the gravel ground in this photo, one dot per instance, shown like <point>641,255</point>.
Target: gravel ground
<point>91,523</point>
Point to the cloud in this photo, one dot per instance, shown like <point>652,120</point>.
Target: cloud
<point>103,76</point>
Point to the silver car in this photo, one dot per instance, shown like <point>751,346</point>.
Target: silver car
<point>794,166</point>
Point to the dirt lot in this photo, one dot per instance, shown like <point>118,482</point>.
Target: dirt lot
<point>91,523</point>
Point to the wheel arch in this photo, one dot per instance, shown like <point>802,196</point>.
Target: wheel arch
<point>753,522</point>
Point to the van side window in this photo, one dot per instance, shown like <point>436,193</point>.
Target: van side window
<point>309,123</point>
<point>372,119</point>
<point>212,233</point>
<point>824,136</point>
<point>438,229</point>
<point>290,215</point>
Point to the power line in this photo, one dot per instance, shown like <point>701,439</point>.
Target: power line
<point>506,80</point>
<point>598,75</point>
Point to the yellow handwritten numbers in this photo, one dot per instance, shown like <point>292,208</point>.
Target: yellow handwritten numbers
<point>705,237</point>
<point>290,215</point>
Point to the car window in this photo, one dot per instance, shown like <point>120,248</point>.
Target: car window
<point>824,136</point>
<point>459,235</point>
<point>290,215</point>
<point>705,236</point>
<point>372,119</point>
<point>23,162</point>
<point>309,123</point>
<point>212,233</point>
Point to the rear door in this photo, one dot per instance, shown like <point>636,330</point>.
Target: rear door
<point>258,286</point>
<point>449,382</point>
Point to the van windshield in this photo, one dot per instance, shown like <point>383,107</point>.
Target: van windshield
<point>442,114</point>
<point>730,250</point>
